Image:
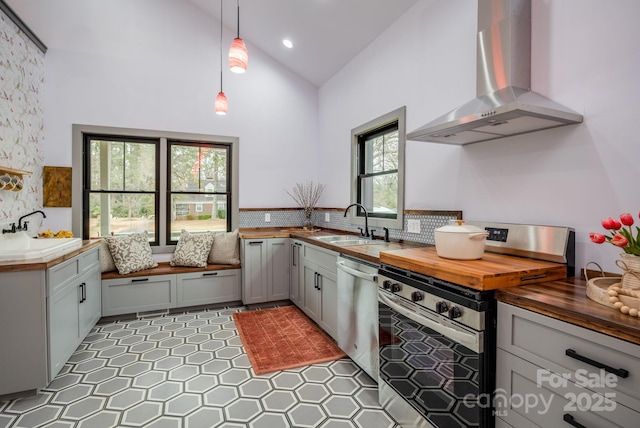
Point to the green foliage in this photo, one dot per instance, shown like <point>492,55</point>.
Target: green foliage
<point>204,216</point>
<point>190,217</point>
<point>221,214</point>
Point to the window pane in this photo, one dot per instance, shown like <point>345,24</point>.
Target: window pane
<point>381,153</point>
<point>198,213</point>
<point>198,169</point>
<point>117,165</point>
<point>380,194</point>
<point>120,214</point>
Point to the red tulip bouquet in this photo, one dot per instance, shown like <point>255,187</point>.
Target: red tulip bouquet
<point>621,236</point>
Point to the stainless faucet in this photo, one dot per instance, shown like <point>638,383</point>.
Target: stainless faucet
<point>366,219</point>
<point>24,228</point>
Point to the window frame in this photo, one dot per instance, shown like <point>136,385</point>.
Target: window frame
<point>395,118</point>
<point>79,174</point>
<point>217,145</point>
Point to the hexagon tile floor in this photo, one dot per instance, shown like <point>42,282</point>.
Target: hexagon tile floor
<point>190,370</point>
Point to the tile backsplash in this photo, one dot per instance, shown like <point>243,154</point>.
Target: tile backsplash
<point>21,119</point>
<point>429,221</point>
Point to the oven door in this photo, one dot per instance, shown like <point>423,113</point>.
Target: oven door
<point>430,368</point>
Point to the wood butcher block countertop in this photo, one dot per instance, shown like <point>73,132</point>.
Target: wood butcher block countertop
<point>566,300</point>
<point>492,271</point>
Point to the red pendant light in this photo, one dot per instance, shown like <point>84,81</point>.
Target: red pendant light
<point>238,55</point>
<point>221,105</point>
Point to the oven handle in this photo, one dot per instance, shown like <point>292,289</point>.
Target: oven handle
<point>357,273</point>
<point>467,339</point>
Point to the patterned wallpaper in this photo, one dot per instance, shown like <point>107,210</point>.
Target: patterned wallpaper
<point>21,119</point>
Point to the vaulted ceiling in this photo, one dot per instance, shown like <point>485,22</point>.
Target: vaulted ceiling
<point>326,33</point>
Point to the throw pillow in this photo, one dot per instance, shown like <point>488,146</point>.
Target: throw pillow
<point>192,249</point>
<point>106,261</point>
<point>131,253</point>
<point>225,249</point>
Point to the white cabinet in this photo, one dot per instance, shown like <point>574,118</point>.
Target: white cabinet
<point>265,270</point>
<point>139,294</point>
<point>74,305</point>
<point>23,338</point>
<point>206,288</point>
<point>577,377</point>
<point>320,299</point>
<point>44,315</point>
<point>296,279</point>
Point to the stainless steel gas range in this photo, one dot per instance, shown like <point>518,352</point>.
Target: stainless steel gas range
<point>437,338</point>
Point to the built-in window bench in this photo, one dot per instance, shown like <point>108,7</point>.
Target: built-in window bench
<point>166,287</point>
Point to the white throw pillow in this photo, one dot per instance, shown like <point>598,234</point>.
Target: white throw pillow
<point>106,261</point>
<point>192,249</point>
<point>225,249</point>
<point>131,253</point>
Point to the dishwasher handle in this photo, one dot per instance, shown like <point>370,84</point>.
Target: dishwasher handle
<point>357,273</point>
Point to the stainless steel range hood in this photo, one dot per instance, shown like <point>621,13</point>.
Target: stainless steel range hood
<point>504,105</point>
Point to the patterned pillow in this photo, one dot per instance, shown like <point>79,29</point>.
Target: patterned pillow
<point>225,249</point>
<point>106,261</point>
<point>131,253</point>
<point>192,249</point>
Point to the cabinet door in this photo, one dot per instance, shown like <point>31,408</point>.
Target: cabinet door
<point>328,284</point>
<point>278,262</point>
<point>90,308</point>
<point>295,285</point>
<point>63,326</point>
<point>254,271</point>
<point>311,305</point>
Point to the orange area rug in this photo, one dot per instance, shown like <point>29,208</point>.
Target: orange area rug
<point>283,338</point>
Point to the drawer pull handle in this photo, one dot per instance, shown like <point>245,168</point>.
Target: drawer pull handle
<point>571,421</point>
<point>255,242</point>
<point>618,372</point>
<point>210,274</point>
<point>140,280</point>
<point>530,278</point>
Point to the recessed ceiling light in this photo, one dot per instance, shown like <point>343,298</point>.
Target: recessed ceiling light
<point>288,43</point>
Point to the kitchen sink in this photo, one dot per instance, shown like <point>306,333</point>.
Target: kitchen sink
<point>333,238</point>
<point>345,240</point>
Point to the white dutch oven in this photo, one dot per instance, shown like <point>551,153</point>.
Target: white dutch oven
<point>460,241</point>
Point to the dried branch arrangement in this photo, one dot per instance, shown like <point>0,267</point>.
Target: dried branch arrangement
<point>306,195</point>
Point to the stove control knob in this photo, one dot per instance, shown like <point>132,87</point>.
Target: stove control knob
<point>386,284</point>
<point>454,312</point>
<point>396,287</point>
<point>416,296</point>
<point>441,307</point>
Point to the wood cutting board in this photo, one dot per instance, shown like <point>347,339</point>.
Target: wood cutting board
<point>492,271</point>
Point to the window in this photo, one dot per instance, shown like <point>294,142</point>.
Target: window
<point>378,170</point>
<point>128,180</point>
<point>121,186</point>
<point>197,186</point>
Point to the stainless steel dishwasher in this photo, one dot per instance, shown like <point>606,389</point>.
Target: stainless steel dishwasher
<point>358,312</point>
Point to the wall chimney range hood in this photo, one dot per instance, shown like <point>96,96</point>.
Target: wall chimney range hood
<point>504,104</point>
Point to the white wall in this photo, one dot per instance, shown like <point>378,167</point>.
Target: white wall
<point>585,55</point>
<point>155,64</point>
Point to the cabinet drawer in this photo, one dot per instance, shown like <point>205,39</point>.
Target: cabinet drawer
<point>545,341</point>
<point>62,274</point>
<point>140,294</point>
<point>89,259</point>
<point>203,288</point>
<point>322,257</point>
<point>524,399</point>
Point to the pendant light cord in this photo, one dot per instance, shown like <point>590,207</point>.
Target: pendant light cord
<point>238,3</point>
<point>221,45</point>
